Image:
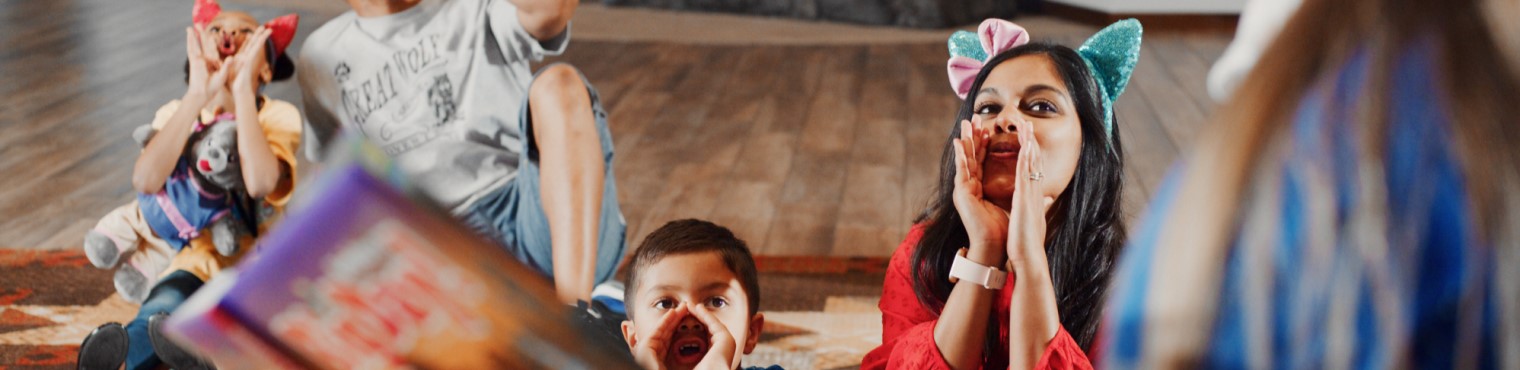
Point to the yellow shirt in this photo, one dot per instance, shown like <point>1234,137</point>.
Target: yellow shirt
<point>281,122</point>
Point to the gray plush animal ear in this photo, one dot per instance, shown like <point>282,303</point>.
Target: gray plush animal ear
<point>142,134</point>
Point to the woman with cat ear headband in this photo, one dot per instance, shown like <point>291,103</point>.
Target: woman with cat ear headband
<point>1008,266</point>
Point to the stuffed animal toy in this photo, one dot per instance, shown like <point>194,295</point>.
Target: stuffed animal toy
<point>199,196</point>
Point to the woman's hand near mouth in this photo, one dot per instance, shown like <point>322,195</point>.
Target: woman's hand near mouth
<point>986,223</point>
<point>1026,222</point>
<point>1033,315</point>
<point>721,348</point>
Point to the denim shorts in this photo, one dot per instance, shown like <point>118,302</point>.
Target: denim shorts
<point>514,214</point>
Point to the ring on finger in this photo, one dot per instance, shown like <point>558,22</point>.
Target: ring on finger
<point>1036,176</point>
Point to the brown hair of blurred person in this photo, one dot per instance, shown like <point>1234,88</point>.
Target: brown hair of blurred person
<point>1476,48</point>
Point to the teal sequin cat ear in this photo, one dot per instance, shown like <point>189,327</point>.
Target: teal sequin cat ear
<point>1111,55</point>
<point>964,44</point>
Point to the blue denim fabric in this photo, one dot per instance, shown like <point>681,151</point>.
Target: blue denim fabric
<point>166,296</point>
<point>514,215</point>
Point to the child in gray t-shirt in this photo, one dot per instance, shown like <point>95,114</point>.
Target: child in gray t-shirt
<point>444,87</point>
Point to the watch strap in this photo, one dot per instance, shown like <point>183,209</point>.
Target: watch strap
<point>965,269</point>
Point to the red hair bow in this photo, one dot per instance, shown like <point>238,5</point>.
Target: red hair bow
<point>204,11</point>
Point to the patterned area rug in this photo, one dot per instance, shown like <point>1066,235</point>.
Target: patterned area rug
<point>820,311</point>
<point>49,301</point>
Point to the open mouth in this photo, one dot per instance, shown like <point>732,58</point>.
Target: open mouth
<point>226,47</point>
<point>1008,148</point>
<point>688,351</point>
<point>204,165</point>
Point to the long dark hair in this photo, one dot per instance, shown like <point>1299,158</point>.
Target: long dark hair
<point>1086,223</point>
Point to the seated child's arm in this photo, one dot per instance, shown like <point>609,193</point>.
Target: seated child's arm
<point>261,171</point>
<point>162,152</point>
<point>545,19</point>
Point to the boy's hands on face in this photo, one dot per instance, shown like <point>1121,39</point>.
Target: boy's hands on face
<point>721,349</point>
<point>650,352</point>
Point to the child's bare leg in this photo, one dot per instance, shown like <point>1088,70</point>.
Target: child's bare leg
<point>571,177</point>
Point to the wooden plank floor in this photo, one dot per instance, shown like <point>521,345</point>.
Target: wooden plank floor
<point>802,150</point>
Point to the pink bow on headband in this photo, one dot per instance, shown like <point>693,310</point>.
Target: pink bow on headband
<point>996,36</point>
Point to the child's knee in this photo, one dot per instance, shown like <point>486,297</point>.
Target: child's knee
<point>559,85</point>
<point>558,97</point>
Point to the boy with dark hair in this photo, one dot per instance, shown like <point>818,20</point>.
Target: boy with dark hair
<point>693,298</point>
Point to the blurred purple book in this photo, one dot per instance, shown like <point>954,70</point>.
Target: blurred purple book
<point>359,275</point>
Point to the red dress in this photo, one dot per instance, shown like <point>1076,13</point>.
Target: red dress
<point>907,335</point>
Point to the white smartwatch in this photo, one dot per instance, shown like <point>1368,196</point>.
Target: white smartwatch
<point>986,276</point>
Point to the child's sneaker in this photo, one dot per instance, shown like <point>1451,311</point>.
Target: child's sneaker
<point>604,327</point>
<point>610,294</point>
<point>168,352</point>
<point>104,348</point>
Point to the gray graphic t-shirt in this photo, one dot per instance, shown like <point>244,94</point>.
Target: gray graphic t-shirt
<point>439,87</point>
